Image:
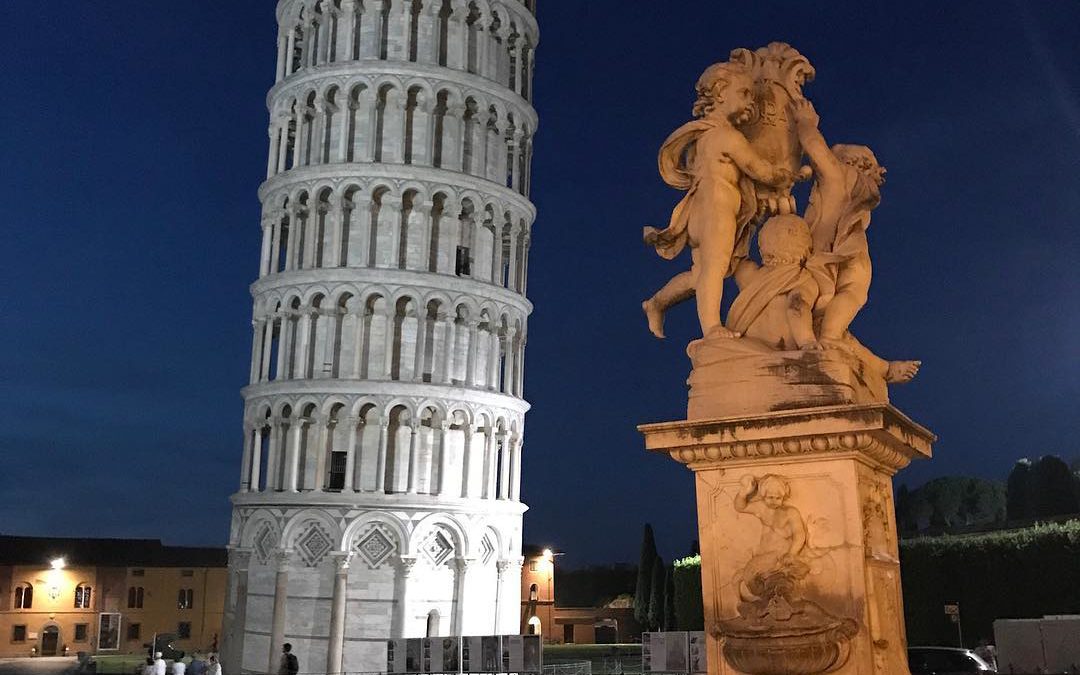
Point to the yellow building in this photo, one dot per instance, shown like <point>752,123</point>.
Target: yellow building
<point>107,596</point>
<point>538,593</point>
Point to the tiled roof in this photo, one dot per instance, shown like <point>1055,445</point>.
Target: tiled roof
<point>107,552</point>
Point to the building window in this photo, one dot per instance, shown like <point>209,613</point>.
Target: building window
<point>138,573</point>
<point>462,262</point>
<point>187,573</point>
<point>18,633</point>
<point>534,566</point>
<point>80,632</point>
<point>337,471</point>
<point>183,630</point>
<point>185,598</point>
<point>134,631</point>
<point>24,596</point>
<point>532,592</point>
<point>82,596</point>
<point>135,597</point>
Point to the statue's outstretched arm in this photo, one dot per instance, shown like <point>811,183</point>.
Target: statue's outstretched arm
<point>827,167</point>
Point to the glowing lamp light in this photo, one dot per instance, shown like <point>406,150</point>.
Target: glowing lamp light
<point>58,563</point>
<point>548,554</point>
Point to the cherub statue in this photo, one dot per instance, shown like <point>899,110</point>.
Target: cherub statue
<point>847,187</point>
<point>776,300</point>
<point>712,160</point>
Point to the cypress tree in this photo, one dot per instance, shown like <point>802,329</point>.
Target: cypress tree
<point>657,599</point>
<point>1018,495</point>
<point>670,621</point>
<point>642,591</point>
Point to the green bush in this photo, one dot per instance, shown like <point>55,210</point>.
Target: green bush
<point>688,609</point>
<point>1012,574</point>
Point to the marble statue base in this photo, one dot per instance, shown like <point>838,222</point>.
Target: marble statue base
<point>743,376</point>
<point>800,568</point>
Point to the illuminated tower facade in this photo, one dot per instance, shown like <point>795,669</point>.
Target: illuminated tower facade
<point>381,472</point>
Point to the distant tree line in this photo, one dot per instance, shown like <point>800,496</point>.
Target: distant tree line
<point>1041,490</point>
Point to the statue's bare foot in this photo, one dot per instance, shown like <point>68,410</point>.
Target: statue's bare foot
<point>902,371</point>
<point>655,315</point>
<point>718,331</point>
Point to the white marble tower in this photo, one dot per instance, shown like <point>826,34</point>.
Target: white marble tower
<point>379,493</point>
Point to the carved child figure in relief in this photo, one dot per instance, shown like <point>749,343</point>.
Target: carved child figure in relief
<point>712,160</point>
<point>783,531</point>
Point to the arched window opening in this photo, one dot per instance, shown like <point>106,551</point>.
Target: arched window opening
<point>259,484</point>
<point>298,47</point>
<point>533,590</point>
<point>437,207</point>
<point>405,324</point>
<point>471,127</point>
<point>431,320</point>
<point>412,100</point>
<point>526,85</point>
<point>472,30</point>
<point>397,451</point>
<point>330,133</point>
<point>380,121</point>
<point>335,457</point>
<point>443,30</point>
<point>83,593</point>
<point>384,30</point>
<point>414,29</point>
<point>345,227</point>
<point>534,626</point>
<point>433,623</point>
<point>512,43</point>
<point>438,128</point>
<point>24,596</point>
<point>463,253</point>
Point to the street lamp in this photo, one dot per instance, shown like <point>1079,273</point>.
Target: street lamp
<point>58,563</point>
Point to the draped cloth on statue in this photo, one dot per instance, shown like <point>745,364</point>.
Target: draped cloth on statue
<point>773,281</point>
<point>849,238</point>
<point>676,160</point>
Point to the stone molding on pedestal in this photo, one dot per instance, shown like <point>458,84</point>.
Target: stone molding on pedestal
<point>875,431</point>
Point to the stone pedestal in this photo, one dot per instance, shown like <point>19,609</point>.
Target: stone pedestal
<point>765,480</point>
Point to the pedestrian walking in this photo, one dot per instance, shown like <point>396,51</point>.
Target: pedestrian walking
<point>289,664</point>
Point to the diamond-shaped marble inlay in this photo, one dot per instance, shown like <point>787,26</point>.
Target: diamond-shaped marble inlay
<point>265,541</point>
<point>487,550</point>
<point>437,547</point>
<point>314,544</point>
<point>375,547</point>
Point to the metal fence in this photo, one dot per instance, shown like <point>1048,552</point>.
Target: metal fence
<point>575,668</point>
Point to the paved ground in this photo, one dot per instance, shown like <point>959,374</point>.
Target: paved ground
<point>45,665</point>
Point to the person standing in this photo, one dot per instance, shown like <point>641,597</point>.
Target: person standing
<point>178,667</point>
<point>289,664</point>
<point>214,668</point>
<point>159,664</point>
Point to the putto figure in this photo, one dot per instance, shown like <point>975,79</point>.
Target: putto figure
<point>712,160</point>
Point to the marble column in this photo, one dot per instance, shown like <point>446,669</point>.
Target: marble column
<point>277,621</point>
<point>337,616</point>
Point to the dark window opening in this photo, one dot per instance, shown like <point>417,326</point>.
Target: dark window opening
<point>183,630</point>
<point>462,262</point>
<point>81,632</point>
<point>337,471</point>
<point>134,631</point>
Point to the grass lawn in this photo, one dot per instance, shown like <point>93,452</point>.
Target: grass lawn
<point>122,664</point>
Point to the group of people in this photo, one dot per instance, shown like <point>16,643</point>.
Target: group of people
<point>157,666</point>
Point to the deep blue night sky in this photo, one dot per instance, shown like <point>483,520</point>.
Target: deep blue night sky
<point>134,138</point>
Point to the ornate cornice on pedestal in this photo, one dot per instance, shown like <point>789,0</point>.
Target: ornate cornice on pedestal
<point>877,431</point>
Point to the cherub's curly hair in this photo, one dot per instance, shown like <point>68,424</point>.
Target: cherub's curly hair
<point>712,82</point>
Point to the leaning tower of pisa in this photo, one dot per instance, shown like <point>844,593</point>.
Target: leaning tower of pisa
<point>379,492</point>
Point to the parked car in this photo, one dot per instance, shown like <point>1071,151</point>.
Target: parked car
<point>945,661</point>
